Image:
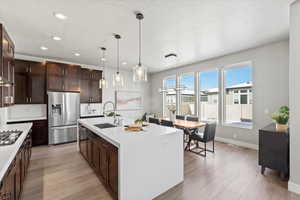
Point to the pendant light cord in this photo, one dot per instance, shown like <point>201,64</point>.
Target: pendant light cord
<point>140,42</point>
<point>118,54</point>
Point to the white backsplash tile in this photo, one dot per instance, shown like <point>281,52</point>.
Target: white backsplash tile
<point>90,109</point>
<point>31,111</point>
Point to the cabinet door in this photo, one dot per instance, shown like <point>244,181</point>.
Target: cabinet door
<point>85,85</point>
<point>37,83</point>
<point>21,81</point>
<point>55,76</point>
<point>72,80</point>
<point>96,155</point>
<point>7,68</point>
<point>103,164</point>
<point>40,133</point>
<point>113,169</point>
<point>95,91</point>
<point>89,147</point>
<point>18,184</point>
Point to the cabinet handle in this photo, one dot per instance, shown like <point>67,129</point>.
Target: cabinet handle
<point>30,99</point>
<point>30,69</point>
<point>26,99</point>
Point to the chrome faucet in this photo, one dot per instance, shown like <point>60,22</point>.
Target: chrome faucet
<point>114,109</point>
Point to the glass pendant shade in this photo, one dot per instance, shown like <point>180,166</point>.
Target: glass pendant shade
<point>118,80</point>
<point>103,83</point>
<point>140,73</point>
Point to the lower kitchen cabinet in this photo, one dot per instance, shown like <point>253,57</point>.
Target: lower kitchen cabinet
<point>12,183</point>
<point>39,132</point>
<point>102,156</point>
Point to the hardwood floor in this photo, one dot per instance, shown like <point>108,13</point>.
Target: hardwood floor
<point>60,173</point>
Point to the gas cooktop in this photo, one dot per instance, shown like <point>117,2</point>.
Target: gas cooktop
<point>9,137</point>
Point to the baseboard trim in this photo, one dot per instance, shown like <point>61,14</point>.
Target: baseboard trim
<point>237,143</point>
<point>293,187</point>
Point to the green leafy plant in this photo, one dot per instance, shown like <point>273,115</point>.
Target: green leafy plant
<point>282,115</point>
<point>111,114</point>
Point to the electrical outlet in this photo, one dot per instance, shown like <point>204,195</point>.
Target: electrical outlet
<point>234,135</point>
<point>267,111</point>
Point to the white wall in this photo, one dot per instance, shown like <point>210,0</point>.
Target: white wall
<point>271,85</point>
<point>294,183</point>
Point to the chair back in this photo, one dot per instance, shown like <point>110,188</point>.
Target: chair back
<point>153,120</point>
<point>209,131</point>
<point>166,123</point>
<point>192,118</point>
<point>182,117</point>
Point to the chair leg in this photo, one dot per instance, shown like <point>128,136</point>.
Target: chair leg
<point>213,146</point>
<point>204,149</point>
<point>188,145</point>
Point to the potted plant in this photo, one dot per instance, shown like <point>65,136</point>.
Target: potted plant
<point>281,117</point>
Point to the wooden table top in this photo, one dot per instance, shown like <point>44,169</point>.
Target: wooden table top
<point>188,124</point>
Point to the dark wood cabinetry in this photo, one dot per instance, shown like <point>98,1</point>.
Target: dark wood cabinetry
<point>63,77</point>
<point>274,150</point>
<point>39,132</point>
<point>89,86</point>
<point>12,183</point>
<point>6,67</point>
<point>102,157</point>
<point>30,82</point>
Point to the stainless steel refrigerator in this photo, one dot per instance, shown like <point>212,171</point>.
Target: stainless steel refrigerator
<point>63,113</point>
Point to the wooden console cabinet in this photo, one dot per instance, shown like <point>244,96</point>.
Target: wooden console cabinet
<point>274,150</point>
<point>12,183</point>
<point>102,156</point>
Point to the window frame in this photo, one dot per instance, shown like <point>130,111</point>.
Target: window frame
<point>179,92</point>
<point>223,88</point>
<point>164,94</point>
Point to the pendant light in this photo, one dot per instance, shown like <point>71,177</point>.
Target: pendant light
<point>102,81</point>
<point>118,80</point>
<point>140,71</point>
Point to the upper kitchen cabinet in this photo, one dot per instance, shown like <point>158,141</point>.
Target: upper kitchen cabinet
<point>63,77</point>
<point>30,82</point>
<point>89,86</point>
<point>6,68</point>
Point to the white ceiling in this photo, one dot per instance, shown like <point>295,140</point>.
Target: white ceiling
<point>194,29</point>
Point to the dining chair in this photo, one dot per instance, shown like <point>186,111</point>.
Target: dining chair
<point>166,123</point>
<point>207,136</point>
<point>192,118</point>
<point>153,120</point>
<point>182,117</point>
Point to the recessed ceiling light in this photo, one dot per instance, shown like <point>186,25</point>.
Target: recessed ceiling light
<point>56,38</point>
<point>77,54</point>
<point>44,48</point>
<point>60,16</point>
<point>124,63</point>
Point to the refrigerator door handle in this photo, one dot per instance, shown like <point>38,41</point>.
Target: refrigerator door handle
<point>64,127</point>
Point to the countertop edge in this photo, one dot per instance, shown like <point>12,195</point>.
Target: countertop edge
<point>14,152</point>
<point>26,119</point>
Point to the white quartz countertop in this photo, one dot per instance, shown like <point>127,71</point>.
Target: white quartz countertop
<point>118,136</point>
<point>8,152</point>
<point>27,119</point>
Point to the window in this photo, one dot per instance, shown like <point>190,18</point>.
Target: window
<point>209,95</point>
<point>187,96</point>
<point>238,106</point>
<point>169,101</point>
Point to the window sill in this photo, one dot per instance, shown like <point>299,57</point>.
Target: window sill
<point>248,126</point>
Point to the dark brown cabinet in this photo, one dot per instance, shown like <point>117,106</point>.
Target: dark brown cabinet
<point>102,157</point>
<point>30,82</point>
<point>12,183</point>
<point>89,86</point>
<point>63,77</point>
<point>39,131</point>
<point>274,150</point>
<point>6,67</point>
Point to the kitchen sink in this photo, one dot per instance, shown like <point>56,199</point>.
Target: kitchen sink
<point>105,125</point>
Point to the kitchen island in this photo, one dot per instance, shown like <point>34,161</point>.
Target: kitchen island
<point>132,165</point>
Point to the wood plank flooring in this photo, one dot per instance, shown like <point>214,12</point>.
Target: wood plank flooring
<point>60,173</point>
